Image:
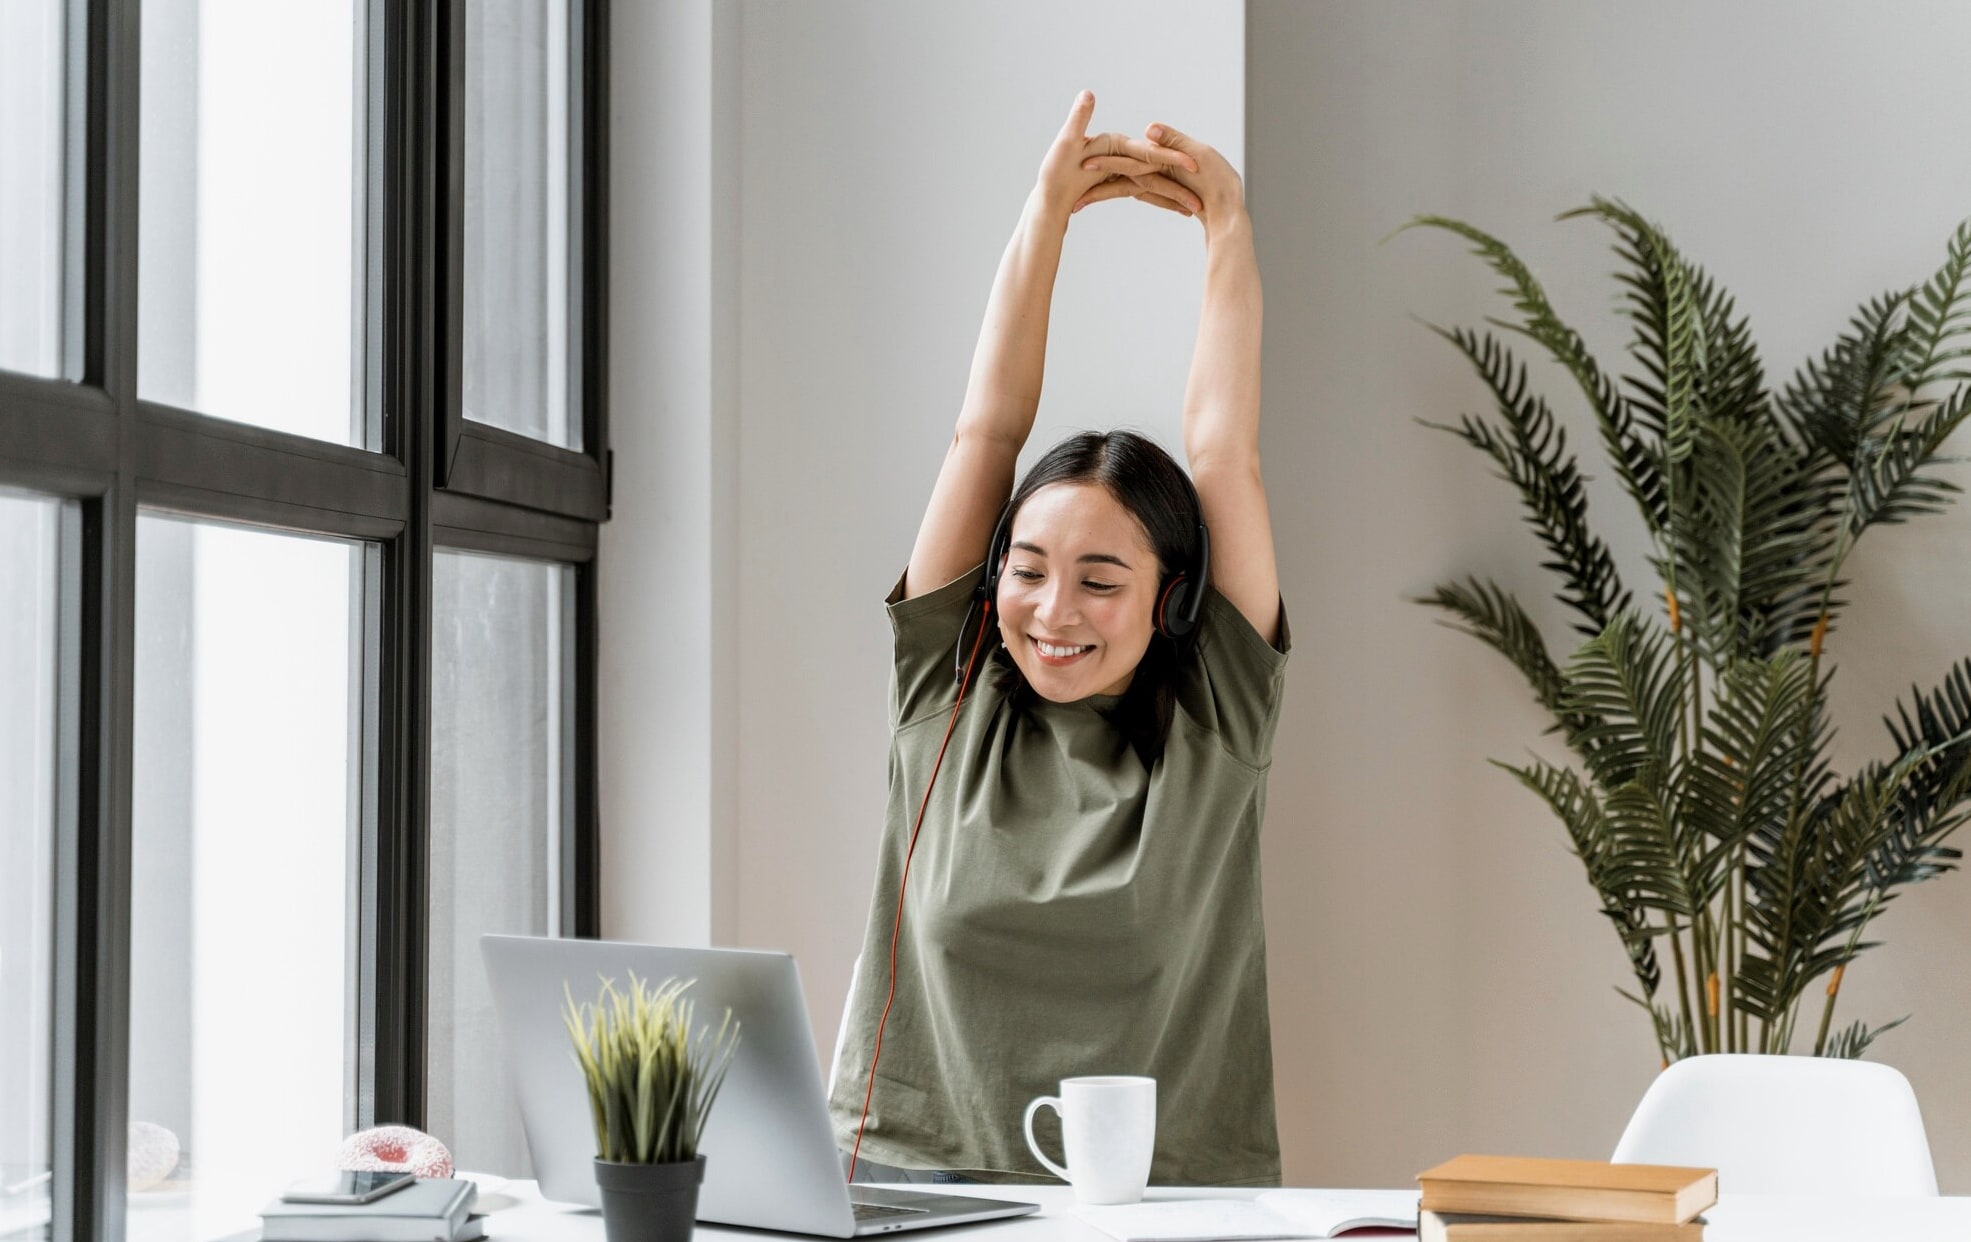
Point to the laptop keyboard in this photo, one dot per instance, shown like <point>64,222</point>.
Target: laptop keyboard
<point>881,1211</point>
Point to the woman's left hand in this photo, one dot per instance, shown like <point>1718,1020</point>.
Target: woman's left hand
<point>1131,177</point>
<point>1213,190</point>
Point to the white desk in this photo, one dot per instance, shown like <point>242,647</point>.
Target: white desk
<point>1737,1218</point>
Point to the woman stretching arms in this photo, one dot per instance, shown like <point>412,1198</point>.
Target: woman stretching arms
<point>1083,894</point>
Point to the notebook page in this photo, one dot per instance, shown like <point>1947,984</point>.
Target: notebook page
<point>1324,1211</point>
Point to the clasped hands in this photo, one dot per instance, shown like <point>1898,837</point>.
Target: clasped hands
<point>1164,168</point>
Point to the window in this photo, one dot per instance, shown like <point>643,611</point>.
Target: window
<point>30,655</point>
<point>246,832</point>
<point>502,672</point>
<point>521,333</point>
<point>249,235</point>
<point>516,219</point>
<point>262,567</point>
<point>31,91</point>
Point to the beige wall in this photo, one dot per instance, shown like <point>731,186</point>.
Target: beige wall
<point>809,204</point>
<point>1442,979</point>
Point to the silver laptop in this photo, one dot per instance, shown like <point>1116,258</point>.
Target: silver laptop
<point>771,1158</point>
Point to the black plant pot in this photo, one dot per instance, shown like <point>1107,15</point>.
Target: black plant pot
<point>649,1202</point>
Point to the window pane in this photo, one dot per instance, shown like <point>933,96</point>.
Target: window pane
<point>501,689</point>
<point>245,825</point>
<point>29,650</point>
<point>31,85</point>
<point>248,293</point>
<point>517,175</point>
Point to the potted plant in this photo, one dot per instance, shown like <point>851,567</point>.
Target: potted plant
<point>651,1082</point>
<point>1699,792</point>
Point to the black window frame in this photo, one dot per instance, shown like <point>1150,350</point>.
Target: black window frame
<point>435,481</point>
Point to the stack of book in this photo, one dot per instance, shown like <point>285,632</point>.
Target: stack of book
<point>437,1209</point>
<point>1517,1199</point>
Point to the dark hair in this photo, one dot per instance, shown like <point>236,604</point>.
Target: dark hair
<point>1158,494</point>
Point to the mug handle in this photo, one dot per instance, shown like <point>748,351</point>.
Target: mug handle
<point>1045,1101</point>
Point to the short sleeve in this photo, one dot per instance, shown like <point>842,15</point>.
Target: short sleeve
<point>1237,680</point>
<point>925,628</point>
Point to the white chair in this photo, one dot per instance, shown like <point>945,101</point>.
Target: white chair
<point>1785,1125</point>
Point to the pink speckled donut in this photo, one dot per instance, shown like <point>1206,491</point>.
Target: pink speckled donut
<point>396,1148</point>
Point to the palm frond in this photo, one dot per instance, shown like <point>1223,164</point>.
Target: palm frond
<point>1675,1038</point>
<point>1659,864</point>
<point>1941,722</point>
<point>1754,551</point>
<point>1763,738</point>
<point>1813,888</point>
<point>1531,453</point>
<point>1884,485</point>
<point>1730,381</point>
<point>1851,1043</point>
<point>1939,321</point>
<point>1628,683</point>
<point>1614,870</point>
<point>1832,403</point>
<point>1663,308</point>
<point>1637,462</point>
<point>1491,614</point>
<point>1933,736</point>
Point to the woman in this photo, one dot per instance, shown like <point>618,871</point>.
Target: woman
<point>1083,897</point>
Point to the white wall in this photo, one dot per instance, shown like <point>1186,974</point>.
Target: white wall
<point>1444,982</point>
<point>668,572</point>
<point>886,152</point>
<point>808,205</point>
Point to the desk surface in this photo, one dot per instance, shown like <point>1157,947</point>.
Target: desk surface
<point>1737,1218</point>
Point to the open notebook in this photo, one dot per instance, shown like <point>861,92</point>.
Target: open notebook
<point>1274,1214</point>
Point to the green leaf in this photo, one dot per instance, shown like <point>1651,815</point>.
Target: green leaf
<point>1629,683</point>
<point>1939,322</point>
<point>1637,463</point>
<point>1491,614</point>
<point>1851,1043</point>
<point>1756,545</point>
<point>1531,452</point>
<point>1666,317</point>
<point>1833,403</point>
<point>1612,866</point>
<point>1884,483</point>
<point>1811,890</point>
<point>651,1081</point>
<point>1764,738</point>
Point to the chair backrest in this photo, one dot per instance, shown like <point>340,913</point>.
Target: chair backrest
<point>1785,1125</point>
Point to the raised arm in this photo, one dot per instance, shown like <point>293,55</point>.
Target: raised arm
<point>1003,393</point>
<point>1221,399</point>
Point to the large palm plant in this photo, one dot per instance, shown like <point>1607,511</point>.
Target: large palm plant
<point>1701,797</point>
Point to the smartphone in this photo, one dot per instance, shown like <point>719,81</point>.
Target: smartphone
<point>347,1187</point>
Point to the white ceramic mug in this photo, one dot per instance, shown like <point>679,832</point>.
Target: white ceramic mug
<point>1109,1128</point>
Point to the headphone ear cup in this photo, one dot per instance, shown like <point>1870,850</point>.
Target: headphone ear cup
<point>997,550</point>
<point>1172,607</point>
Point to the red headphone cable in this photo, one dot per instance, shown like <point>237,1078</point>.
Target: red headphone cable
<point>897,928</point>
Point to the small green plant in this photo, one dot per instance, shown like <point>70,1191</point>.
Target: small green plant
<point>651,1081</point>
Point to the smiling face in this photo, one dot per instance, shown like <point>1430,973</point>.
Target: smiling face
<point>1077,591</point>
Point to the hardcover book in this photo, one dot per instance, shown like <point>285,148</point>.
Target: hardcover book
<point>1568,1189</point>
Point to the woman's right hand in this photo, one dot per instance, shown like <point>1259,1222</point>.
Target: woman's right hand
<point>1136,163</point>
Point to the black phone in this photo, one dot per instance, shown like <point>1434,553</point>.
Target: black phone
<point>347,1186</point>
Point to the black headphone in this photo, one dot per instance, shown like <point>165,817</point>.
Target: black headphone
<point>1180,598</point>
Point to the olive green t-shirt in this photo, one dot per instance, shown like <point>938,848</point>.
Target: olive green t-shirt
<point>1069,912</point>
